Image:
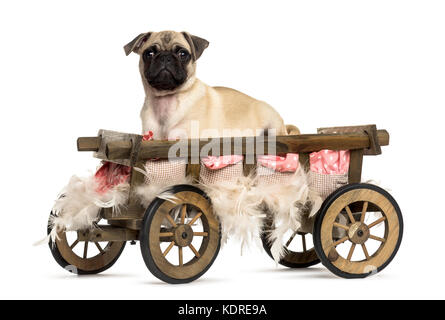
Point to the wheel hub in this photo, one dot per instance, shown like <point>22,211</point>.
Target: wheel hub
<point>358,233</point>
<point>183,235</point>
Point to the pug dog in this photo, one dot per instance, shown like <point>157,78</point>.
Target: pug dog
<point>176,101</point>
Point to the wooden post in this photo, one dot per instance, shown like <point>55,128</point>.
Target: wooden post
<point>136,179</point>
<point>193,170</point>
<point>355,166</point>
<point>248,168</point>
<point>304,160</point>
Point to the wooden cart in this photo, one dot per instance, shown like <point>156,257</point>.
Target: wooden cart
<point>194,231</point>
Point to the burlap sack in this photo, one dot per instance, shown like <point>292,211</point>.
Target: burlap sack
<point>165,171</point>
<point>270,176</point>
<point>230,173</point>
<point>325,184</point>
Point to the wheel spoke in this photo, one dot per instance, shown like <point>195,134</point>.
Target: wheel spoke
<point>183,213</point>
<point>377,222</point>
<point>365,251</point>
<point>342,226</point>
<point>377,238</point>
<point>195,218</point>
<point>303,239</point>
<point>180,256</point>
<point>170,246</point>
<point>166,234</point>
<point>74,244</point>
<point>169,218</point>
<point>200,234</point>
<point>351,251</point>
<point>194,250</point>
<point>351,217</point>
<point>291,238</point>
<point>85,250</point>
<point>365,207</point>
<point>336,243</point>
<point>99,247</point>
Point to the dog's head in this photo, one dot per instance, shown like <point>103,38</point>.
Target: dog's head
<point>167,58</point>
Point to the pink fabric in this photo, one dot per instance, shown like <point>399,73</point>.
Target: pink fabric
<point>215,163</point>
<point>329,161</point>
<point>111,174</point>
<point>147,136</point>
<point>289,163</point>
<point>211,162</point>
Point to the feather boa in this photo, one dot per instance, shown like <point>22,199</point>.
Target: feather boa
<point>79,204</point>
<point>237,206</point>
<point>241,207</point>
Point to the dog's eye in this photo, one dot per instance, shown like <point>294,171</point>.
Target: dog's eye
<point>183,54</point>
<point>148,54</point>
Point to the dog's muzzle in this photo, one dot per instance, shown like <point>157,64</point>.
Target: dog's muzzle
<point>165,72</point>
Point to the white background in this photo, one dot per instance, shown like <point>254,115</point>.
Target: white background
<point>63,74</point>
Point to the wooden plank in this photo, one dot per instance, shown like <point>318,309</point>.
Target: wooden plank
<point>108,233</point>
<point>371,130</point>
<point>132,211</point>
<point>284,144</point>
<point>133,224</point>
<point>88,143</point>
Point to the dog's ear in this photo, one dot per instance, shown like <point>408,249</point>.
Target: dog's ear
<point>197,44</point>
<point>135,44</point>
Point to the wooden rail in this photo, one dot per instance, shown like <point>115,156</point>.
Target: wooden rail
<point>108,233</point>
<point>88,143</point>
<point>122,149</point>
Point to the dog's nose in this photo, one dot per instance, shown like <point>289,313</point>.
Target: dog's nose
<point>165,58</point>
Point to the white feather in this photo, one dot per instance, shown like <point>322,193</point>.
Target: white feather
<point>79,204</point>
<point>237,206</point>
<point>288,204</point>
<point>242,206</point>
<point>146,192</point>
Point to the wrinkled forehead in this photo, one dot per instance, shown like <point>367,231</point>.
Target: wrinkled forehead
<point>166,40</point>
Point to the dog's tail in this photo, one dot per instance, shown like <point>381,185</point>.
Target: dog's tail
<point>291,129</point>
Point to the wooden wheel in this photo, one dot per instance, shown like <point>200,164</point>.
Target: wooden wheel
<point>345,223</point>
<point>180,239</point>
<point>299,252</point>
<point>84,257</point>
